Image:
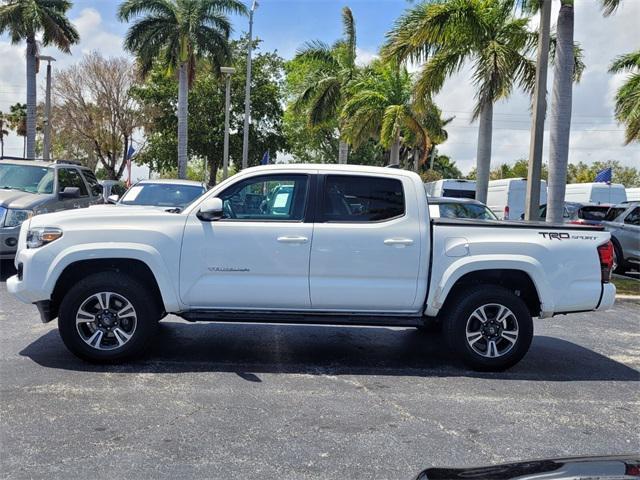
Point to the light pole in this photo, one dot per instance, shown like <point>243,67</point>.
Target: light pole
<point>227,71</point>
<point>47,110</point>
<point>247,92</point>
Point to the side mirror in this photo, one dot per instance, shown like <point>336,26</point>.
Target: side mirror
<point>113,198</point>
<point>211,209</point>
<point>70,192</point>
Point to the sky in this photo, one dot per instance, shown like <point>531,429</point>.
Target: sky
<point>284,25</point>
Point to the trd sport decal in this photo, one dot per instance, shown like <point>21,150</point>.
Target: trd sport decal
<point>565,236</point>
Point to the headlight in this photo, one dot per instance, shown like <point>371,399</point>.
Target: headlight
<point>37,237</point>
<point>16,217</point>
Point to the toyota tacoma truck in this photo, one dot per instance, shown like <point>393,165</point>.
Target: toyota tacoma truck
<point>320,244</point>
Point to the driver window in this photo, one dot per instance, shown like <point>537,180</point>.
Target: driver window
<point>268,197</point>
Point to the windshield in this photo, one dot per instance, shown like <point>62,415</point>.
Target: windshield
<point>466,210</point>
<point>27,178</point>
<point>162,195</point>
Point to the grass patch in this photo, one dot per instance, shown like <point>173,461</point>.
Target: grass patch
<point>626,286</point>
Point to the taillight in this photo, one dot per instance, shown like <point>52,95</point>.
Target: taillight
<point>605,252</point>
<point>632,469</point>
<point>506,213</point>
<point>578,222</point>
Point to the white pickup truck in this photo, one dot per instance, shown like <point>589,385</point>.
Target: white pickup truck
<point>308,243</point>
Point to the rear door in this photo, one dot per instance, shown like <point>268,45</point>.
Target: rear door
<point>365,254</point>
<point>95,189</point>
<point>629,236</point>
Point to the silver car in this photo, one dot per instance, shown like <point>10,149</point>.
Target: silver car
<point>31,187</point>
<point>623,221</point>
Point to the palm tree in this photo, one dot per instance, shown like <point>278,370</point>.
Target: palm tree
<point>561,98</point>
<point>628,95</point>
<point>24,19</point>
<point>381,107</point>
<point>178,33</point>
<point>449,34</point>
<point>330,71</point>
<point>17,119</point>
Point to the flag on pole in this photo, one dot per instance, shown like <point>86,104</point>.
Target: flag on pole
<point>265,158</point>
<point>604,175</point>
<point>130,153</point>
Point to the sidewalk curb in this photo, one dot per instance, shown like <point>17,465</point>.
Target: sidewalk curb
<point>628,297</point>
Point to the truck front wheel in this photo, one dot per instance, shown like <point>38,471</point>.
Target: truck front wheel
<point>489,327</point>
<point>107,317</point>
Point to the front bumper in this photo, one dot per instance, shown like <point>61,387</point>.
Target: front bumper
<point>9,242</point>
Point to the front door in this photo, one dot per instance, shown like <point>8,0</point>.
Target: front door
<point>366,245</point>
<point>257,256</point>
<point>70,177</point>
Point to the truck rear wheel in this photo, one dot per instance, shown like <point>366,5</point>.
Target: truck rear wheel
<point>489,327</point>
<point>107,317</point>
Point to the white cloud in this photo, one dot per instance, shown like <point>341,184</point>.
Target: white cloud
<point>365,57</point>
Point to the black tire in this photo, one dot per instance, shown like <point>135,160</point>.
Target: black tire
<point>621,267</point>
<point>459,313</point>
<point>146,311</point>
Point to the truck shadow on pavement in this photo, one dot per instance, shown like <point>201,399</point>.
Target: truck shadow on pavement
<point>251,349</point>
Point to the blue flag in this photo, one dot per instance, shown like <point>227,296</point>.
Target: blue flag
<point>130,152</point>
<point>265,158</point>
<point>604,175</point>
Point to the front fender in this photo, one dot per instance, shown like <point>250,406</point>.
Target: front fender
<point>135,251</point>
<point>438,293</point>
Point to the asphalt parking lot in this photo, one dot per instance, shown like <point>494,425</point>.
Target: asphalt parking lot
<point>294,402</point>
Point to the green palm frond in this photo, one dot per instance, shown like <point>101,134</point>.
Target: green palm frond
<point>609,7</point>
<point>349,32</point>
<point>627,108</point>
<point>392,123</point>
<point>625,63</point>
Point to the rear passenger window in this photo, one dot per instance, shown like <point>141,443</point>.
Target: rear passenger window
<point>96,188</point>
<point>361,199</point>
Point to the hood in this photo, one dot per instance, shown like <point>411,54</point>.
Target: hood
<point>10,198</point>
<point>577,468</point>
<point>98,214</point>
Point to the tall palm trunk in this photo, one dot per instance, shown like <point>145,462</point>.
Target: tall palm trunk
<point>183,118</point>
<point>560,113</point>
<point>483,155</point>
<point>395,152</point>
<point>32,50</point>
<point>343,152</point>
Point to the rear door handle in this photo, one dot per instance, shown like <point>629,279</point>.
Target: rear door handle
<point>398,242</point>
<point>293,239</point>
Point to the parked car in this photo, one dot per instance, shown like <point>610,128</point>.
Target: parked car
<point>161,193</point>
<point>354,245</point>
<point>32,187</point>
<point>623,221</point>
<point>112,187</point>
<point>444,207</point>
<point>506,198</point>
<point>451,187</point>
<point>595,192</point>
<point>581,213</point>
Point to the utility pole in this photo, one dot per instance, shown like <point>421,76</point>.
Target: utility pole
<point>46,151</point>
<point>227,71</point>
<point>532,205</point>
<point>247,93</point>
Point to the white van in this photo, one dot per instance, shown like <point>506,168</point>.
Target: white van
<point>507,197</point>
<point>633,194</point>
<point>451,187</point>
<point>597,192</point>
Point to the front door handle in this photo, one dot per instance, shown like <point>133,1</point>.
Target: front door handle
<point>293,239</point>
<point>398,242</point>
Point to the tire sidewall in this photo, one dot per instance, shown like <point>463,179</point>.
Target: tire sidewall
<point>135,293</point>
<point>467,303</point>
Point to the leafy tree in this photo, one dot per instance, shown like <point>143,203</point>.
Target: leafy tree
<point>206,112</point>
<point>582,173</point>
<point>628,95</point>
<point>95,116</point>
<point>322,84</point>
<point>17,119</point>
<point>177,33</point>
<point>381,107</point>
<point>449,34</point>
<point>24,20</point>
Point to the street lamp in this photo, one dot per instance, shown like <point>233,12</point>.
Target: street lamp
<point>227,72</point>
<point>47,109</point>
<point>247,92</point>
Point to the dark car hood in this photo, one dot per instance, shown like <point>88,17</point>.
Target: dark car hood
<point>22,200</point>
<point>576,468</point>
